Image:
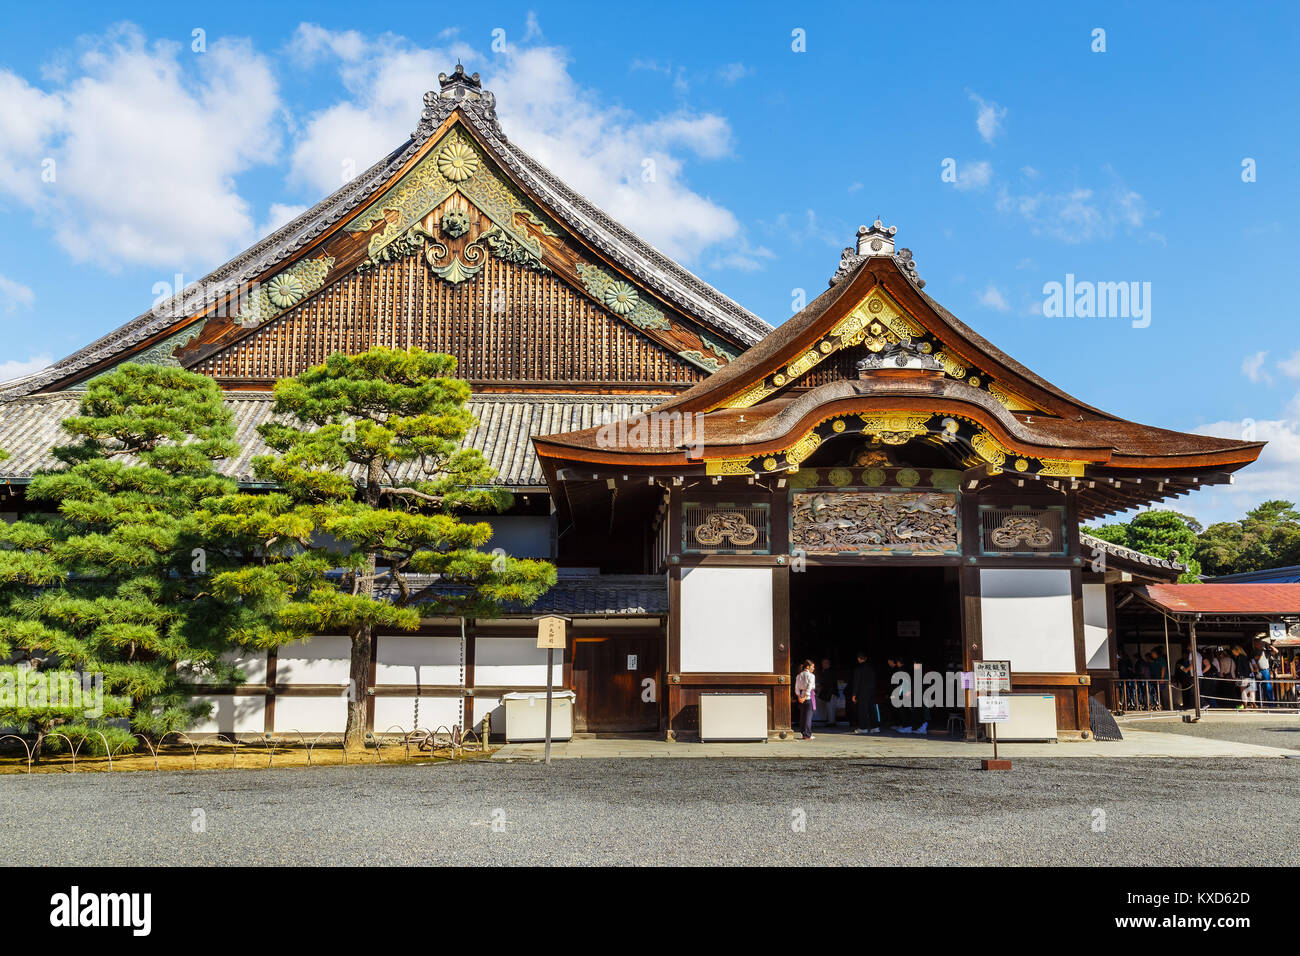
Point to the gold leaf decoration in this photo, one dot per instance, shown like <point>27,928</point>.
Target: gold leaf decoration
<point>457,162</point>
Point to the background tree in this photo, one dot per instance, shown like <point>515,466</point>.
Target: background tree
<point>1161,534</point>
<point>373,482</point>
<point>115,580</point>
<point>1267,537</point>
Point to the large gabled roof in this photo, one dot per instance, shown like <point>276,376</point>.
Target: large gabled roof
<point>927,374</point>
<point>460,95</point>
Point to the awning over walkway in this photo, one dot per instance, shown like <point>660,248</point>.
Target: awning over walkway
<point>1250,601</point>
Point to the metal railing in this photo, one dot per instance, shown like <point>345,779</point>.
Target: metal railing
<point>1141,694</point>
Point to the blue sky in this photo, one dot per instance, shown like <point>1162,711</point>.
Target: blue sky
<point>1122,165</point>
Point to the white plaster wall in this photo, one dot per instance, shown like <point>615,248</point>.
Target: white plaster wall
<point>1027,618</point>
<point>726,622</point>
<point>513,662</point>
<point>311,714</point>
<point>232,714</point>
<point>321,660</point>
<point>482,706</point>
<point>1096,633</point>
<point>410,659</point>
<point>435,712</point>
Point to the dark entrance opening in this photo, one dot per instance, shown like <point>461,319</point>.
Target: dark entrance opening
<point>911,614</point>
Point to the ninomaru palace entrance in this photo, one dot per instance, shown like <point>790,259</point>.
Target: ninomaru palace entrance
<point>872,476</point>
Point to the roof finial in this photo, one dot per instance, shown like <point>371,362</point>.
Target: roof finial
<point>876,239</point>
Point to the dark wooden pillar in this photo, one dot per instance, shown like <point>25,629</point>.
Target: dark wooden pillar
<point>781,646</point>
<point>972,635</point>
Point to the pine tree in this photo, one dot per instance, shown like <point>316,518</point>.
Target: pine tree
<point>116,581</point>
<point>372,482</point>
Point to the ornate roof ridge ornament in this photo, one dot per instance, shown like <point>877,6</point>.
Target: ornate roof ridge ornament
<point>876,240</point>
<point>460,89</point>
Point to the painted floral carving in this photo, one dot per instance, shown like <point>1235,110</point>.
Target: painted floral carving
<point>1022,528</point>
<point>620,297</point>
<point>728,525</point>
<point>285,290</point>
<point>457,162</point>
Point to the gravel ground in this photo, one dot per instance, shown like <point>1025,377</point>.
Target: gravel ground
<point>1282,730</point>
<point>666,812</point>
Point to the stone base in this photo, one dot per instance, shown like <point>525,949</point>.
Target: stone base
<point>995,764</point>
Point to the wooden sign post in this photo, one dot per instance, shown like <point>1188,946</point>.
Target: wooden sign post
<point>992,685</point>
<point>550,635</point>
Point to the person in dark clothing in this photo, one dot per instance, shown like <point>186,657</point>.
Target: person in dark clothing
<point>1183,681</point>
<point>916,718</point>
<point>862,696</point>
<point>827,688</point>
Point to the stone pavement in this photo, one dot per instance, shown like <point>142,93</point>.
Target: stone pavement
<point>837,744</point>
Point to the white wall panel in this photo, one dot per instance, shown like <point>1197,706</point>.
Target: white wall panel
<point>488,705</point>
<point>435,712</point>
<point>322,660</point>
<point>413,659</point>
<point>513,662</point>
<point>311,715</point>
<point>232,714</point>
<point>1027,618</point>
<point>726,622</point>
<point>1096,633</point>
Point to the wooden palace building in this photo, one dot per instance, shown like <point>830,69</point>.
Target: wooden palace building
<point>723,498</point>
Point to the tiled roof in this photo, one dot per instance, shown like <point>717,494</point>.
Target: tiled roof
<point>1087,541</point>
<point>592,594</point>
<point>29,429</point>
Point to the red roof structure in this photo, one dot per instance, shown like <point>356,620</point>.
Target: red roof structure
<point>1239,600</point>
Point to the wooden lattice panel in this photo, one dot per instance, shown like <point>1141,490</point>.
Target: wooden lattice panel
<point>1022,530</point>
<point>508,325</point>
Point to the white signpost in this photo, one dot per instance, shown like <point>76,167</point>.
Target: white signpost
<point>992,687</point>
<point>550,635</point>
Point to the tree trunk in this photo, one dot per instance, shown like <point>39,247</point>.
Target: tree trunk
<point>354,737</point>
<point>363,636</point>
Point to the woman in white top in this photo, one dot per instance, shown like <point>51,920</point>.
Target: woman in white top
<point>805,691</point>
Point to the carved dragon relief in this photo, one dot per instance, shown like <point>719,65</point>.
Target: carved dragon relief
<point>869,522</point>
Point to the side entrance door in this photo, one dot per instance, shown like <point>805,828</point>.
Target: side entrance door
<point>616,680</point>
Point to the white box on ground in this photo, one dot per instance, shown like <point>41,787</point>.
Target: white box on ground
<point>1031,717</point>
<point>526,715</point>
<point>737,716</point>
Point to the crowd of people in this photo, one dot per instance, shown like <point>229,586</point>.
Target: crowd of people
<point>1229,676</point>
<point>866,697</point>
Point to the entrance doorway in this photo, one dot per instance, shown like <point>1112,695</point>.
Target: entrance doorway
<point>907,614</point>
<point>616,680</point>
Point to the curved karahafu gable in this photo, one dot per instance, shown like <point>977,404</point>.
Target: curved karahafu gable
<point>457,195</point>
<point>876,359</point>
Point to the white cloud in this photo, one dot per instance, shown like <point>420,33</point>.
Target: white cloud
<point>1252,366</point>
<point>14,294</point>
<point>1290,367</point>
<point>15,368</point>
<point>280,214</point>
<point>992,298</point>
<point>975,175</point>
<point>1080,214</point>
<point>1276,474</point>
<point>146,141</point>
<point>988,117</point>
<point>600,150</point>
<point>733,73</point>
